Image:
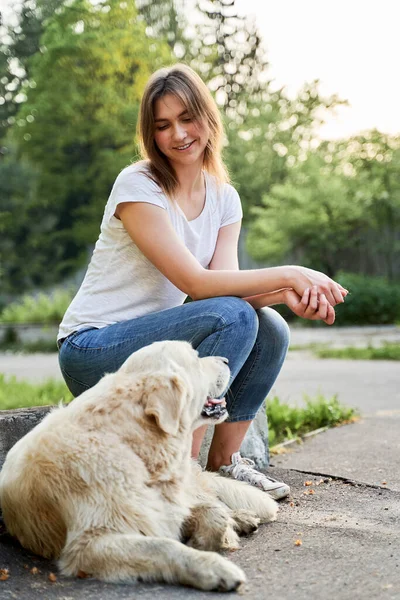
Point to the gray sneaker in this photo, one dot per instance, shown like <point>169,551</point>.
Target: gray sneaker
<point>243,469</point>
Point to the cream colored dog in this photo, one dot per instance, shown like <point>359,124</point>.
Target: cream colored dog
<point>107,485</point>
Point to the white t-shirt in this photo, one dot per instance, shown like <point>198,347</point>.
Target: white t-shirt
<point>121,283</point>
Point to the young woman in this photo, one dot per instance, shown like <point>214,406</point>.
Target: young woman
<point>170,230</point>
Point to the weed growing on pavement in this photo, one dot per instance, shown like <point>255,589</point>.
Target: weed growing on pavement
<point>287,422</point>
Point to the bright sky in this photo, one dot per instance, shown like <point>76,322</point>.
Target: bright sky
<point>352,46</point>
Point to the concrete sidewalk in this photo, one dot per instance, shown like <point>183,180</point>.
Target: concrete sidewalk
<point>349,525</point>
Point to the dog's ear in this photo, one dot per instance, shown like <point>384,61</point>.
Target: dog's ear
<point>164,400</point>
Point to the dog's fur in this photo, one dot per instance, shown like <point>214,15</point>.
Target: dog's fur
<point>107,485</point>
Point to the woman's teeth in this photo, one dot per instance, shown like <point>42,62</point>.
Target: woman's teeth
<point>184,147</point>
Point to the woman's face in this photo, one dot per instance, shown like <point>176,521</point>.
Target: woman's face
<point>182,139</point>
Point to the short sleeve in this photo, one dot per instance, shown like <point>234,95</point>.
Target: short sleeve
<point>134,185</point>
<point>232,208</point>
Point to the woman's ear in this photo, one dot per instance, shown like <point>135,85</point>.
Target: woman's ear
<point>164,399</point>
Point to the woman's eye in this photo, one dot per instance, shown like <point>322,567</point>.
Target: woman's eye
<point>162,127</point>
<point>187,120</point>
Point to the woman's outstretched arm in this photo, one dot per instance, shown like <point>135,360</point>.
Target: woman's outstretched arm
<point>151,230</point>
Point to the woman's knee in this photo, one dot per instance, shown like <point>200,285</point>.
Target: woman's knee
<point>273,326</point>
<point>236,311</point>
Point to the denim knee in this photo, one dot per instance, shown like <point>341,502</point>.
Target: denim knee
<point>274,326</point>
<point>236,311</point>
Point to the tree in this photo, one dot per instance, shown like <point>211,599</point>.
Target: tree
<point>19,41</point>
<point>77,127</point>
<point>373,159</point>
<point>339,209</point>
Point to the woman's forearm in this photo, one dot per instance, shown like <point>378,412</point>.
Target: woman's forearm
<point>269,299</point>
<point>244,284</point>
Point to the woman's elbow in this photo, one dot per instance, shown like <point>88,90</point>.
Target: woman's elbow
<point>196,288</point>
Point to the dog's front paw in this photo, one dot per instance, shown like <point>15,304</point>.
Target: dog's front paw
<point>218,574</point>
<point>246,522</point>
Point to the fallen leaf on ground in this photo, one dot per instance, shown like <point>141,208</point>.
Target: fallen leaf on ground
<point>307,483</point>
<point>384,482</point>
<point>34,571</point>
<point>52,577</point>
<point>298,543</point>
<point>4,574</point>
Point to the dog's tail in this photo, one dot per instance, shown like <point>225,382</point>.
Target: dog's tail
<point>239,495</point>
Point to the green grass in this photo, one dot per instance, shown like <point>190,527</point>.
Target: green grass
<point>288,422</point>
<point>20,394</point>
<point>285,421</point>
<point>389,351</point>
<point>45,346</point>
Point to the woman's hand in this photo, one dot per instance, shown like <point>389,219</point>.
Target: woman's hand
<point>303,278</point>
<point>311,305</point>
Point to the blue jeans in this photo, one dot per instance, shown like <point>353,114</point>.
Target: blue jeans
<point>255,343</point>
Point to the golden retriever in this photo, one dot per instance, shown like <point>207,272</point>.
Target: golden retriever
<point>107,486</point>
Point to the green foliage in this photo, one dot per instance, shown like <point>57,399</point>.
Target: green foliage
<point>312,216</point>
<point>389,351</point>
<point>338,208</point>
<point>19,41</point>
<point>77,126</point>
<point>287,422</point>
<point>18,226</point>
<point>371,301</point>
<point>266,141</point>
<point>20,394</point>
<point>39,308</point>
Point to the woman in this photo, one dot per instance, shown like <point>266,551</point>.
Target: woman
<point>170,230</point>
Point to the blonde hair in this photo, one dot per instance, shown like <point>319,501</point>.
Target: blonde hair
<point>183,83</point>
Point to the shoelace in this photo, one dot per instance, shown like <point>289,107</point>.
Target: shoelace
<point>243,469</point>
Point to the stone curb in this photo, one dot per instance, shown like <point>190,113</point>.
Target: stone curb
<point>297,440</point>
<point>16,423</point>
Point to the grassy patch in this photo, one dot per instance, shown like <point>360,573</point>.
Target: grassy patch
<point>310,346</point>
<point>288,422</point>
<point>389,351</point>
<point>19,394</point>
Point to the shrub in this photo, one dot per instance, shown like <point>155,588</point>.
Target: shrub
<point>371,301</point>
<point>40,308</point>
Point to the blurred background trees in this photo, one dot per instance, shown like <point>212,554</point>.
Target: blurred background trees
<point>71,77</point>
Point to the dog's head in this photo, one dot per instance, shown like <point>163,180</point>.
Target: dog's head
<point>179,387</point>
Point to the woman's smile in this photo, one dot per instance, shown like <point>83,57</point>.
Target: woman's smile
<point>185,147</point>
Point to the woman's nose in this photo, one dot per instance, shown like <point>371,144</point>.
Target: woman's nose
<point>180,132</point>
